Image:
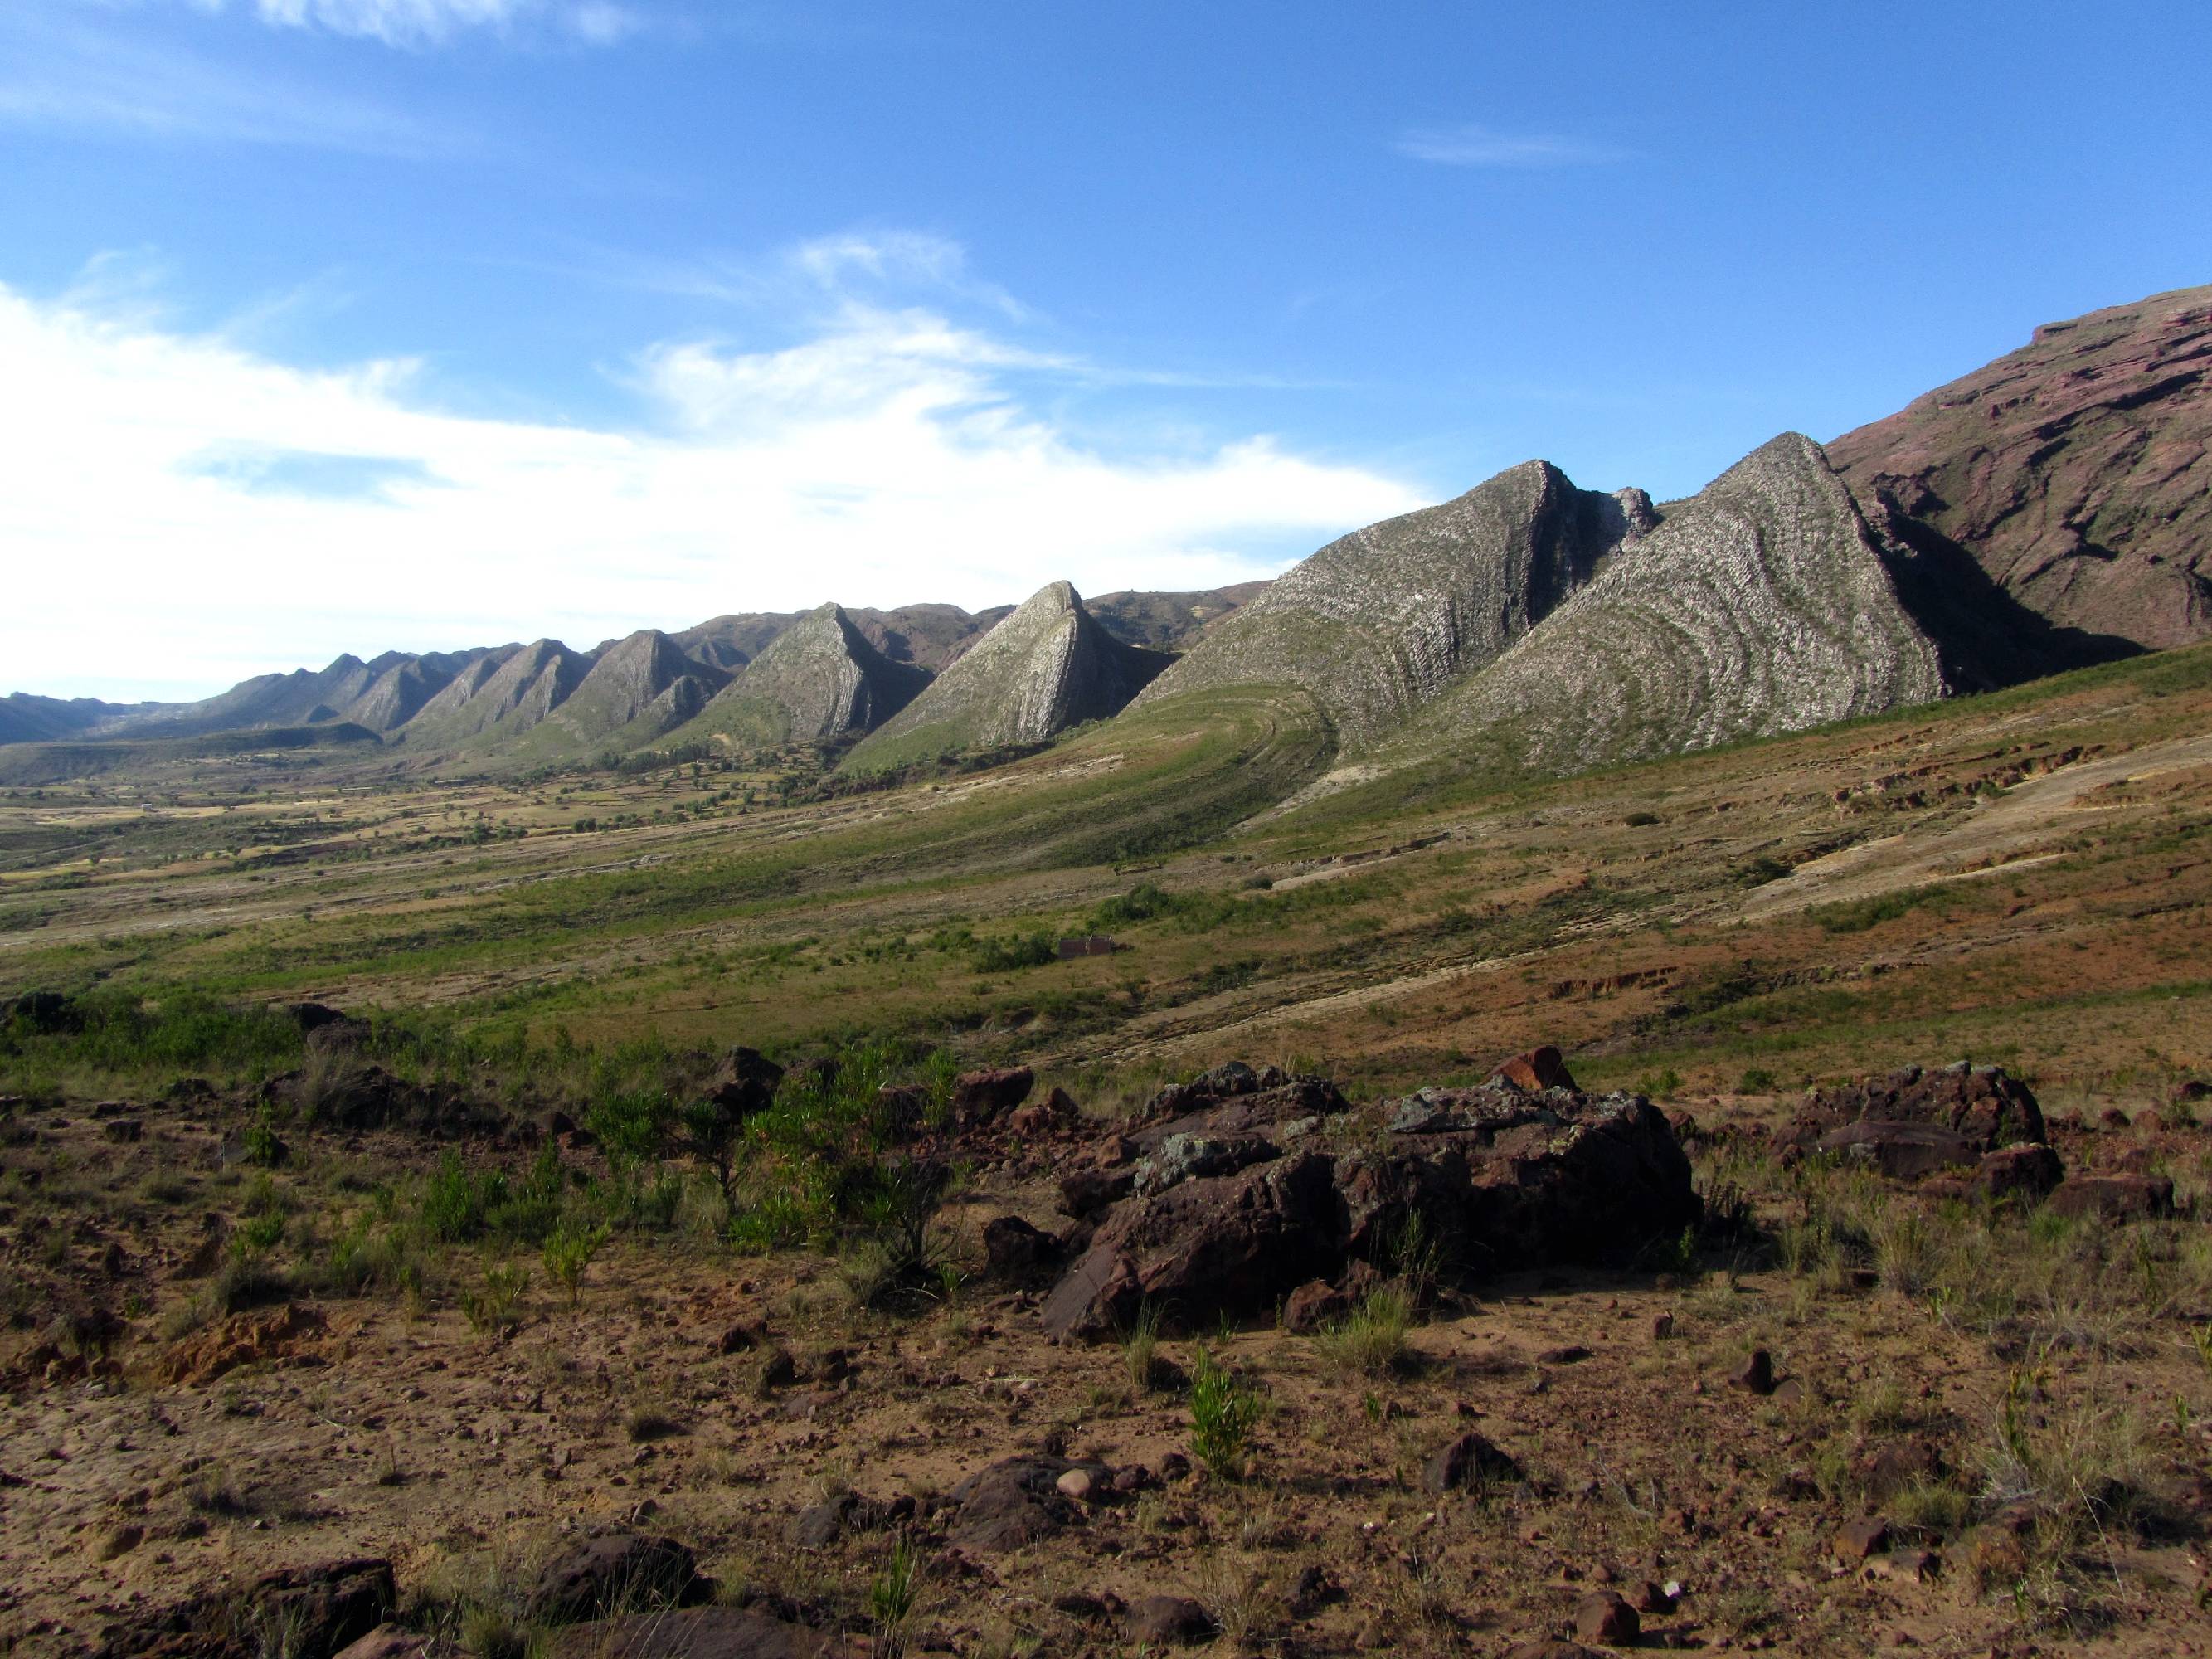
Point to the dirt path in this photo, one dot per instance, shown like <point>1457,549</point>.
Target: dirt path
<point>2008,833</point>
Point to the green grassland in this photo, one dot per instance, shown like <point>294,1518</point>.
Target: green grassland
<point>1403,930</point>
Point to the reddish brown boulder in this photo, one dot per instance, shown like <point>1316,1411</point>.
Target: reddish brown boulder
<point>983,1096</point>
<point>1469,1461</point>
<point>1603,1616</point>
<point>1903,1151</point>
<point>1205,1246</point>
<point>2114,1198</point>
<point>744,1084</point>
<point>1016,1501</point>
<point>2025,1172</point>
<point>1858,1540</point>
<point>615,1572</point>
<point>1535,1071</point>
<point>1231,1207</point>
<point>1985,1104</point>
<point>1314,1305</point>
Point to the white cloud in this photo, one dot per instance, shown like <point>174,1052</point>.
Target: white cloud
<point>180,502</point>
<point>425,22</point>
<point>1484,147</point>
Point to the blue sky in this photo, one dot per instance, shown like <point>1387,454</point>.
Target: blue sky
<point>360,323</point>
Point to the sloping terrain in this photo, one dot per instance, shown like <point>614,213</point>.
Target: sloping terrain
<point>1376,624</point>
<point>2073,471</point>
<point>1047,666</point>
<point>820,679</point>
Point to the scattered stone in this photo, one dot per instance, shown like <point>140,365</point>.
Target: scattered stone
<point>1016,1501</point>
<point>1314,1590</point>
<point>1792,1392</point>
<point>1315,1303</point>
<point>1552,1648</point>
<point>980,1097</point>
<point>1603,1616</point>
<point>1078,1484</point>
<point>615,1572</point>
<point>122,1128</point>
<point>2027,1171</point>
<point>1535,1071</point>
<point>1662,1327</point>
<point>1912,1566</point>
<point>1469,1461</point>
<point>1573,1354</point>
<point>1756,1373</point>
<point>1014,1249</point>
<point>1174,1618</point>
<point>1860,1539</point>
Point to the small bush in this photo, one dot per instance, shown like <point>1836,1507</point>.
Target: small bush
<point>1140,1350</point>
<point>491,1309</point>
<point>1371,1340</point>
<point>568,1251</point>
<point>1224,1410</point>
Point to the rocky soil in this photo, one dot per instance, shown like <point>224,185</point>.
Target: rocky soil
<point>1811,1376</point>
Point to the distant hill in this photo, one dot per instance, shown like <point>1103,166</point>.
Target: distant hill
<point>1047,666</point>
<point>1168,622</point>
<point>2073,473</point>
<point>1379,623</point>
<point>820,679</point>
<point>1763,604</point>
<point>2051,509</point>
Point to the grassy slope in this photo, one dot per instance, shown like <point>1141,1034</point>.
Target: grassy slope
<point>1618,912</point>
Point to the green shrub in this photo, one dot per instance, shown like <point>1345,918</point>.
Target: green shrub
<point>1224,1410</point>
<point>457,1200</point>
<point>1016,951</point>
<point>491,1308</point>
<point>568,1251</point>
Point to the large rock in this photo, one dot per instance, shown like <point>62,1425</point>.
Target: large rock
<point>980,1097</point>
<point>1903,1151</point>
<point>744,1084</point>
<point>616,1573</point>
<point>1016,1501</point>
<point>1232,1205</point>
<point>1984,1104</point>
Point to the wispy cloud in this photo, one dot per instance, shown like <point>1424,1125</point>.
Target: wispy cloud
<point>1473,146</point>
<point>432,22</point>
<point>63,74</point>
<point>243,513</point>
